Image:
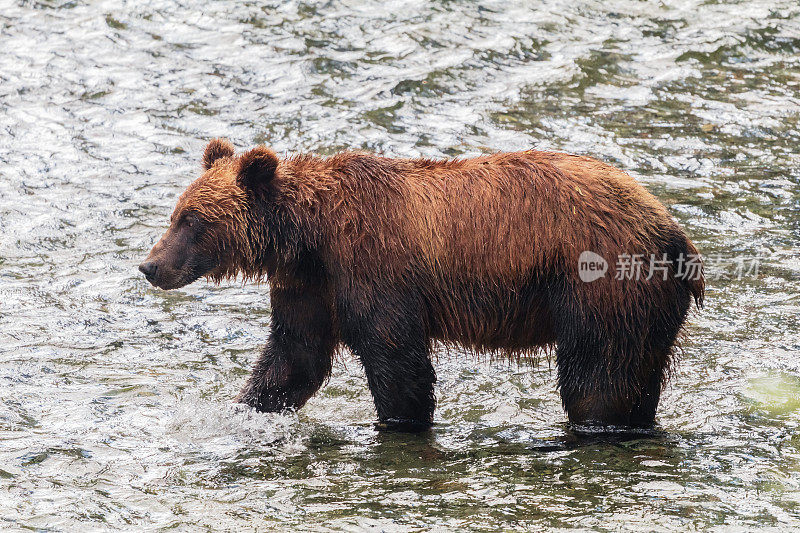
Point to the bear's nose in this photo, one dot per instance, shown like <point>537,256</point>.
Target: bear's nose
<point>148,268</point>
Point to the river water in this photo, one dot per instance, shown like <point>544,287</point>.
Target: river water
<point>115,397</point>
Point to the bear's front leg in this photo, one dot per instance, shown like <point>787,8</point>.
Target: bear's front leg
<point>391,342</point>
<point>298,356</point>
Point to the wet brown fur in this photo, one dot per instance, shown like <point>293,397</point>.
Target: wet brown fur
<point>480,252</point>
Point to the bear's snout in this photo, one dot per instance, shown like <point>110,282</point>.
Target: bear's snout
<point>148,268</point>
<point>167,272</point>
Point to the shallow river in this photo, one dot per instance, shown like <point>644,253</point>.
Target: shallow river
<point>115,398</point>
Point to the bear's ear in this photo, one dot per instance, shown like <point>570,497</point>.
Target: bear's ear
<point>256,168</point>
<point>216,149</point>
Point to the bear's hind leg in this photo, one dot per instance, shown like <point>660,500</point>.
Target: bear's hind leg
<point>391,343</point>
<point>659,346</point>
<point>643,411</point>
<point>607,385</point>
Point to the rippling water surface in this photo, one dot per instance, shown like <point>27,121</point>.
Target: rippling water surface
<point>115,398</point>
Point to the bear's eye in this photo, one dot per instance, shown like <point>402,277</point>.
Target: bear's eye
<point>191,220</point>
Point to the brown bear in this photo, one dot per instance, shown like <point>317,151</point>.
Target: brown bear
<point>386,256</point>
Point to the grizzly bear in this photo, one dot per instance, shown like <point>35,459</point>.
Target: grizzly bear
<point>388,256</point>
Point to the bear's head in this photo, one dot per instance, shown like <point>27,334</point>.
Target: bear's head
<point>214,229</point>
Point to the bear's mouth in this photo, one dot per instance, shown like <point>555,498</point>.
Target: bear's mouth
<point>169,279</point>
<point>175,283</point>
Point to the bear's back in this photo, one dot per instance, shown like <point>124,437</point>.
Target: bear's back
<point>497,216</point>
